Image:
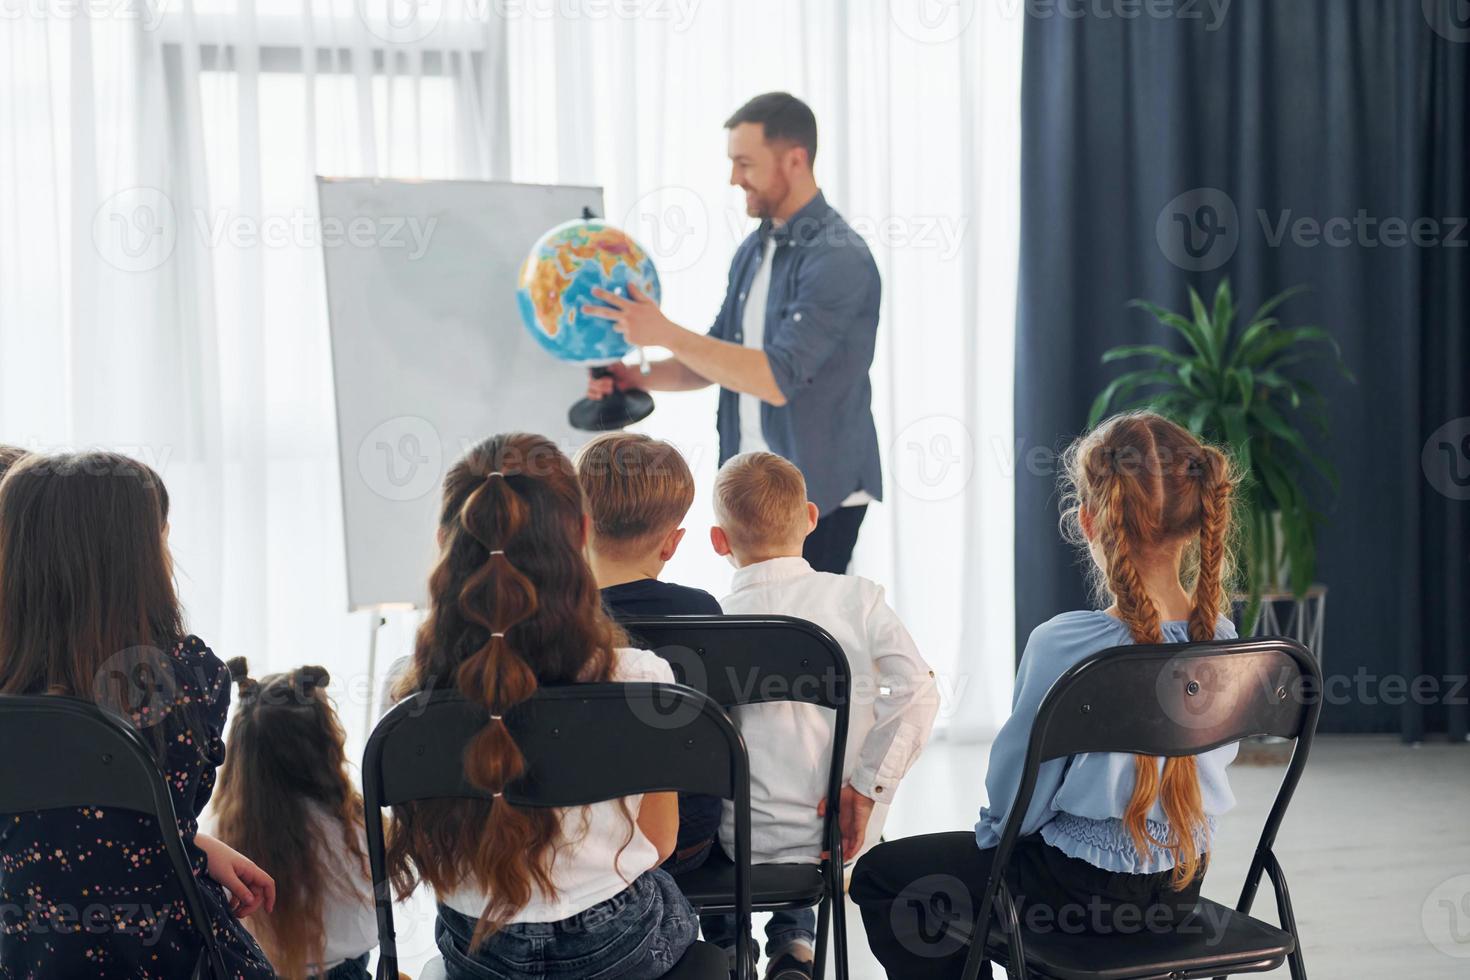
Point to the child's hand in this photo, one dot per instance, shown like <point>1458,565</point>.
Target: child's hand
<point>853,811</point>
<point>248,886</point>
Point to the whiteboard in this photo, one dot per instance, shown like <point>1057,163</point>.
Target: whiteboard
<point>429,355</point>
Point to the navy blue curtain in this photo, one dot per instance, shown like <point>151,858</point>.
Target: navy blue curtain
<point>1160,152</point>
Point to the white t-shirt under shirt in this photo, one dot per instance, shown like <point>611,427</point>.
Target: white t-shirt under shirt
<point>588,868</point>
<point>753,332</point>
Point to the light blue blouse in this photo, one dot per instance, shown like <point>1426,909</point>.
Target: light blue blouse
<point>1079,801</point>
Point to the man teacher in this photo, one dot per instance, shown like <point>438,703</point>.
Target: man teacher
<point>793,341</point>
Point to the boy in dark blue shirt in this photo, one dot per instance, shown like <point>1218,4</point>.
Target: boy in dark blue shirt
<point>638,492</point>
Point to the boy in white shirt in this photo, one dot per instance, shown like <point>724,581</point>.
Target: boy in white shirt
<point>764,516</point>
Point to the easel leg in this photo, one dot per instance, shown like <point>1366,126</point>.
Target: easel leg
<point>379,621</point>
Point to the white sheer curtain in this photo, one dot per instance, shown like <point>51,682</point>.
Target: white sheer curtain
<point>161,292</point>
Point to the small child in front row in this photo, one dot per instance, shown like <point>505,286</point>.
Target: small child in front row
<point>764,516</point>
<point>638,492</point>
<point>286,797</point>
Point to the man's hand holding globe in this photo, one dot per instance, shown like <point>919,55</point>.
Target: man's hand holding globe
<point>570,267</point>
<point>639,319</point>
<point>635,316</point>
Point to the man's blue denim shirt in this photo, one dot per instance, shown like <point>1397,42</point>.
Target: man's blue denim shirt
<point>821,327</point>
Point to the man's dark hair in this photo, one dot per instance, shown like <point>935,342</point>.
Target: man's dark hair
<point>785,118</point>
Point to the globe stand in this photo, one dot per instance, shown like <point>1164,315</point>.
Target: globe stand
<point>615,410</point>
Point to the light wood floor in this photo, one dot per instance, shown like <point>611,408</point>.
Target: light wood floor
<point>1376,848</point>
<point>1376,839</point>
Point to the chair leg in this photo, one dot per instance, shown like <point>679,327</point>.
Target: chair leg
<point>1016,968</point>
<point>839,934</point>
<point>819,961</point>
<point>1287,914</point>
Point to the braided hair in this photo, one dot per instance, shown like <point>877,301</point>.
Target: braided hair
<point>1145,484</point>
<point>512,605</point>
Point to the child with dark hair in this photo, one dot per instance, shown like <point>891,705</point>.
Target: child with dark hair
<point>88,610</point>
<point>286,797</point>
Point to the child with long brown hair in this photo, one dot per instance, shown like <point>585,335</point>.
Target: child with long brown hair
<point>286,797</point>
<point>513,605</point>
<point>1110,842</point>
<point>88,610</point>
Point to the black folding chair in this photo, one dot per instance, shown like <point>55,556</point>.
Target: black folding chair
<point>754,660</point>
<point>1208,695</point>
<point>583,743</point>
<point>106,764</point>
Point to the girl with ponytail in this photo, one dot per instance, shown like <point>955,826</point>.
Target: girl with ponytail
<point>286,797</point>
<point>1110,842</point>
<point>513,605</point>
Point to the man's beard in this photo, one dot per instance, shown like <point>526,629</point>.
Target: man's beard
<point>765,204</point>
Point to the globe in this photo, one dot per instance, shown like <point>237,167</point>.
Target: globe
<point>557,280</point>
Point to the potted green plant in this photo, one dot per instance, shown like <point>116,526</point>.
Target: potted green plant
<point>1232,386</point>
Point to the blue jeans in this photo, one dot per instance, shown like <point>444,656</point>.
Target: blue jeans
<point>638,934</point>
<point>785,928</point>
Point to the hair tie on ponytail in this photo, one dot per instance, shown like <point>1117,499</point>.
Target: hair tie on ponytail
<point>497,717</point>
<point>313,677</point>
<point>240,674</point>
<point>497,551</point>
<point>1195,468</point>
<point>501,635</point>
<point>494,473</point>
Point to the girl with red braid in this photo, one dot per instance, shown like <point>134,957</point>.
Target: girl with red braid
<point>513,605</point>
<point>1110,842</point>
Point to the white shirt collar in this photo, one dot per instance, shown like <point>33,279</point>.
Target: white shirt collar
<point>770,570</point>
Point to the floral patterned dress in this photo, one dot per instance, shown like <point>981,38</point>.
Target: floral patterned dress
<point>90,892</point>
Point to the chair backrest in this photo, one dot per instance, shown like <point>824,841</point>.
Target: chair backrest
<point>1170,699</point>
<point>65,752</point>
<point>740,660</point>
<point>749,659</point>
<point>583,743</point>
